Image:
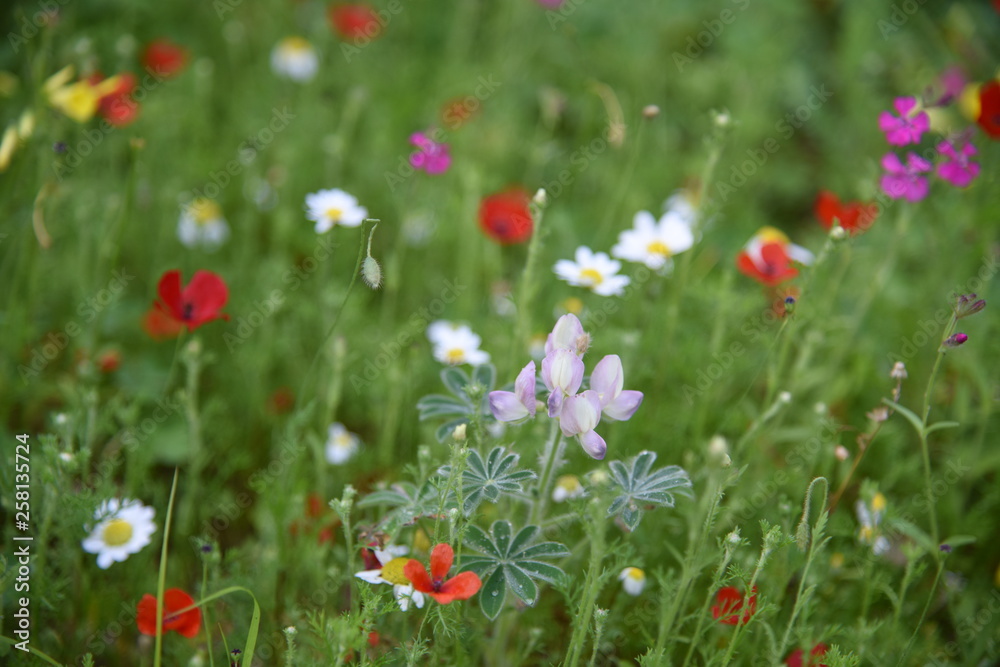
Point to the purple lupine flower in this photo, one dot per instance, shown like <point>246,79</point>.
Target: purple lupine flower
<point>607,380</point>
<point>957,169</point>
<point>580,415</point>
<point>568,334</point>
<point>432,157</point>
<point>907,127</point>
<point>562,373</point>
<point>905,181</point>
<point>518,405</point>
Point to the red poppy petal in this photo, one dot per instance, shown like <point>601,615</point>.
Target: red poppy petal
<point>794,659</point>
<point>748,268</point>
<point>169,290</point>
<point>827,207</point>
<point>188,623</point>
<point>207,294</point>
<point>145,618</point>
<point>441,559</point>
<point>461,587</point>
<point>160,325</point>
<point>417,574</point>
<point>989,109</point>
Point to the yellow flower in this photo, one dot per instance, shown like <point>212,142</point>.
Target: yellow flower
<point>78,100</point>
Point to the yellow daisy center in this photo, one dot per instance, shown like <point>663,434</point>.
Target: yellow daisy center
<point>573,305</point>
<point>296,44</point>
<point>204,211</point>
<point>455,355</point>
<point>878,503</point>
<point>117,532</point>
<point>658,248</point>
<point>592,276</point>
<point>636,574</point>
<point>866,534</point>
<point>334,213</point>
<point>569,483</point>
<point>393,571</point>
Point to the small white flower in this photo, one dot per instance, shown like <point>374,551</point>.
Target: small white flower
<point>567,486</point>
<point>682,205</point>
<point>595,271</point>
<point>331,207</point>
<point>294,58</point>
<point>202,224</point>
<point>341,444</point>
<point>456,344</point>
<point>124,527</point>
<point>633,580</point>
<point>391,563</point>
<point>653,243</point>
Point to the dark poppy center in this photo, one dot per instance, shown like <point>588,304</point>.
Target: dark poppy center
<point>436,585</point>
<point>187,312</point>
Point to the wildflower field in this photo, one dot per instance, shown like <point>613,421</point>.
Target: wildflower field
<point>535,332</point>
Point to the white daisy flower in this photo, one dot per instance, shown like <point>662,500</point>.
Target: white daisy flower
<point>294,58</point>
<point>595,271</point>
<point>124,527</point>
<point>633,580</point>
<point>456,344</point>
<point>202,224</point>
<point>870,524</point>
<point>341,444</point>
<point>567,486</point>
<point>391,563</point>
<point>653,243</point>
<point>331,207</point>
<point>681,204</point>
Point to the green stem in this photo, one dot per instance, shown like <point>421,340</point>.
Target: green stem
<point>552,453</point>
<point>161,580</point>
<point>591,586</point>
<point>923,614</point>
<point>527,288</point>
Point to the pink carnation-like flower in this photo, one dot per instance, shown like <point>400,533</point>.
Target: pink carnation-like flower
<point>908,127</point>
<point>901,181</point>
<point>957,169</point>
<point>432,157</point>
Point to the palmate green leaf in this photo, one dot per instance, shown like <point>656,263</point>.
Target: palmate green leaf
<point>460,406</point>
<point>409,503</point>
<point>642,487</point>
<point>511,559</point>
<point>489,479</point>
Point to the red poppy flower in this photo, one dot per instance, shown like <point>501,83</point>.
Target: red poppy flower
<point>196,304</point>
<point>161,326</point>
<point>354,21</point>
<point>281,401</point>
<point>989,108</point>
<point>174,599</point>
<point>460,587</point>
<point>506,217</point>
<point>730,602</point>
<point>164,58</point>
<point>108,361</point>
<point>768,257</point>
<point>855,217</point>
<point>795,658</point>
<point>118,107</point>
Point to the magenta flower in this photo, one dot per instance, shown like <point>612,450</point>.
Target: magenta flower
<point>518,405</point>
<point>905,181</point>
<point>957,169</point>
<point>907,127</point>
<point>432,157</point>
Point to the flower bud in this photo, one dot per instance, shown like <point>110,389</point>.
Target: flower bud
<point>371,272</point>
<point>955,340</point>
<point>968,304</point>
<point>650,111</point>
<point>898,371</point>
